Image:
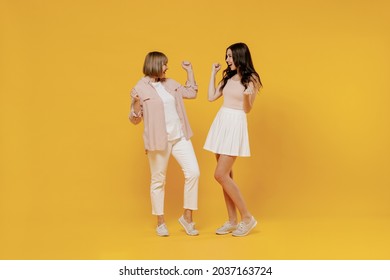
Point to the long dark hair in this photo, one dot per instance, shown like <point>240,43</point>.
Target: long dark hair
<point>243,61</point>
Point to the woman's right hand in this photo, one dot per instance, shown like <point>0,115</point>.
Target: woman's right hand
<point>136,98</point>
<point>216,67</point>
<point>135,115</point>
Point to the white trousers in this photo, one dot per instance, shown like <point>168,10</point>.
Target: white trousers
<point>183,152</point>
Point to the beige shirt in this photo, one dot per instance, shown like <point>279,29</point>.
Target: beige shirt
<point>172,119</point>
<point>152,110</point>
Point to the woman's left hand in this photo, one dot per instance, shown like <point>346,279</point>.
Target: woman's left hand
<point>186,65</point>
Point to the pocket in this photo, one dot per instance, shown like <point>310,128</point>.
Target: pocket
<point>149,104</point>
<point>144,100</point>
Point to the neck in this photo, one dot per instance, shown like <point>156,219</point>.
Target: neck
<point>236,77</point>
<point>156,80</point>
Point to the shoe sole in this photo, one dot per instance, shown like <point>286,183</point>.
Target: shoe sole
<point>224,232</point>
<point>246,233</point>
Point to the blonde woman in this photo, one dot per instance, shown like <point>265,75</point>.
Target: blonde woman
<point>158,101</point>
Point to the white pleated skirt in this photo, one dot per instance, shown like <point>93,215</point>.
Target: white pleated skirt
<point>228,134</point>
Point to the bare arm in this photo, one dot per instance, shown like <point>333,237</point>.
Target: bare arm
<point>191,89</point>
<point>214,93</point>
<point>187,66</point>
<point>249,96</point>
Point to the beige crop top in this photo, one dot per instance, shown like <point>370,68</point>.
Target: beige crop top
<point>233,94</point>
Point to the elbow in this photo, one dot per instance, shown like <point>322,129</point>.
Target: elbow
<point>247,109</point>
<point>195,92</point>
<point>211,97</point>
<point>247,106</point>
<point>190,94</point>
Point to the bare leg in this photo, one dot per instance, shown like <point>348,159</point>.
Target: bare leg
<point>231,208</point>
<point>232,194</point>
<point>187,214</point>
<point>160,220</point>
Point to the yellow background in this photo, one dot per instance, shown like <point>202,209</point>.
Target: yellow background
<point>73,174</point>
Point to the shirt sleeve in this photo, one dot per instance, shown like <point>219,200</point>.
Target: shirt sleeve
<point>189,90</point>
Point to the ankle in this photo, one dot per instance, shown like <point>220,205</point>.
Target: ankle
<point>160,220</point>
<point>187,215</point>
<point>247,219</point>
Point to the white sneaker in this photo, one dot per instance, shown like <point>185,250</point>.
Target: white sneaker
<point>244,228</point>
<point>162,230</point>
<point>188,227</point>
<point>226,228</point>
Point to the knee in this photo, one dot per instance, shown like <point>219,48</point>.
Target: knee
<point>192,174</point>
<point>154,186</point>
<point>157,181</point>
<point>219,176</point>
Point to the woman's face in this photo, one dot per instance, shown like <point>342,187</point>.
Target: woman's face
<point>229,60</point>
<point>164,70</point>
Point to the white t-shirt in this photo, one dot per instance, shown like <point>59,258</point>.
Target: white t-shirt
<point>172,120</point>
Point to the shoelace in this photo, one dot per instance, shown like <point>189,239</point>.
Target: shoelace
<point>241,226</point>
<point>162,228</point>
<point>191,227</point>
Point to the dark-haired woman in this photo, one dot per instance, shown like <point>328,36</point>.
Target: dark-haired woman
<point>158,101</point>
<point>228,134</point>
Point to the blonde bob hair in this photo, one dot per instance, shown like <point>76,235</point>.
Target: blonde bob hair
<point>153,65</point>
